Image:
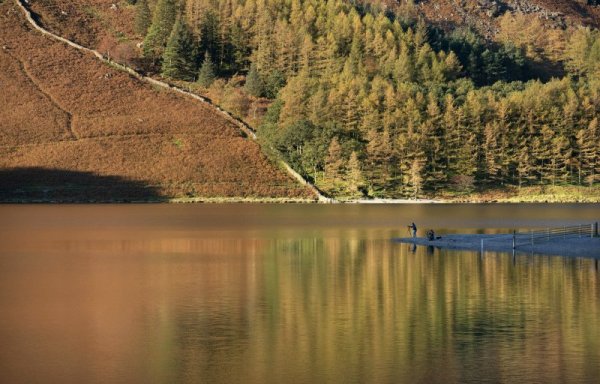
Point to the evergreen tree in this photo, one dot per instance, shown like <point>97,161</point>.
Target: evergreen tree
<point>206,75</point>
<point>492,155</point>
<point>583,52</point>
<point>435,150</point>
<point>254,82</point>
<point>354,176</point>
<point>588,141</point>
<point>165,14</point>
<point>334,166</point>
<point>210,39</point>
<point>178,61</point>
<point>450,123</point>
<point>452,67</point>
<point>274,82</point>
<point>423,111</point>
<point>416,176</point>
<point>561,153</point>
<point>404,70</point>
<point>143,17</point>
<point>524,168</point>
<point>237,52</point>
<point>264,53</point>
<point>295,96</point>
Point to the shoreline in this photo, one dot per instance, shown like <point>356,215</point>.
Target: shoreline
<point>531,195</point>
<point>568,246</point>
<point>287,200</point>
<point>178,200</point>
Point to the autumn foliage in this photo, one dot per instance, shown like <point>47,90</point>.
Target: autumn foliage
<point>63,111</point>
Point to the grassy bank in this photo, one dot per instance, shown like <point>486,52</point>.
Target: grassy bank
<point>537,194</point>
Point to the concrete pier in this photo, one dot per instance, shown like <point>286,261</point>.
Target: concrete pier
<point>564,246</point>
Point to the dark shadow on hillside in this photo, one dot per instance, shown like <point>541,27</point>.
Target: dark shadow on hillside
<point>487,62</point>
<point>30,185</point>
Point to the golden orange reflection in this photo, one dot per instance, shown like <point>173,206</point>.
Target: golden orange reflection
<point>344,305</point>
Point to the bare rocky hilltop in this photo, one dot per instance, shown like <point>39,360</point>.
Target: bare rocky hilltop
<point>484,15</point>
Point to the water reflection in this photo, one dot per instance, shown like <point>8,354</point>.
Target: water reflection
<point>333,305</point>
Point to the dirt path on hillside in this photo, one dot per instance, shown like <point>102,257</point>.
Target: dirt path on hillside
<point>69,128</point>
<point>225,114</point>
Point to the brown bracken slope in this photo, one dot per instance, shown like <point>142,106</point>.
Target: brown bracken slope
<point>73,128</point>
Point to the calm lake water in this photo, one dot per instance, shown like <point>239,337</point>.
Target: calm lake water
<point>289,294</point>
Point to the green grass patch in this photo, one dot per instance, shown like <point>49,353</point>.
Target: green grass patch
<point>126,4</point>
<point>93,12</point>
<point>533,194</point>
<point>558,194</point>
<point>178,143</point>
<point>121,37</point>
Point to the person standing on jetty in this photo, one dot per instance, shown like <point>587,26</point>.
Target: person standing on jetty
<point>413,228</point>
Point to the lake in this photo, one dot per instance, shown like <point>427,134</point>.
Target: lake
<point>251,293</point>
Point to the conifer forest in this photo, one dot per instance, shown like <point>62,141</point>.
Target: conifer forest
<point>369,101</point>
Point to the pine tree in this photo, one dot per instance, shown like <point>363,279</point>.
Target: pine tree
<point>452,141</point>
<point>287,49</point>
<point>416,175</point>
<point>206,75</point>
<point>524,168</point>
<point>165,14</point>
<point>404,68</point>
<point>583,52</point>
<point>273,83</point>
<point>210,39</point>
<point>588,141</point>
<point>380,160</point>
<point>178,61</point>
<point>254,82</point>
<point>352,73</point>
<point>356,55</point>
<point>354,176</point>
<point>295,97</point>
<point>435,149</point>
<point>238,48</point>
<point>452,67</point>
<point>542,151</point>
<point>264,53</point>
<point>334,166</point>
<point>143,17</point>
<point>561,153</point>
<point>307,53</point>
<point>492,155</point>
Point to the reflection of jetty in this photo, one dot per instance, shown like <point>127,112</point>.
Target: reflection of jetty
<point>580,240</point>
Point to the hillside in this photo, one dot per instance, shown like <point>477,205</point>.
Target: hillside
<point>73,128</point>
<point>105,25</point>
<point>484,15</point>
<point>377,98</point>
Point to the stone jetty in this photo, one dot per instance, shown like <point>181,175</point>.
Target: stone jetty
<point>570,245</point>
